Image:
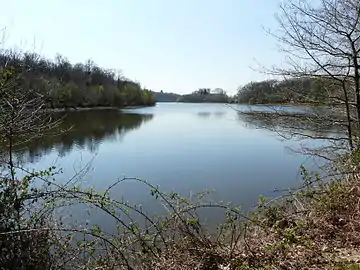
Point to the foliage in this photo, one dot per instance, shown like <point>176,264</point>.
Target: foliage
<point>79,85</point>
<point>349,266</point>
<point>302,229</point>
<point>166,97</point>
<point>204,95</point>
<point>320,40</point>
<point>22,117</point>
<point>295,90</point>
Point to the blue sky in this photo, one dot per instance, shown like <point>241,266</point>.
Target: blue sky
<point>173,45</point>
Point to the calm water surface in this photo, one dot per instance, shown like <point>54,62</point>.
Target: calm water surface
<point>182,147</point>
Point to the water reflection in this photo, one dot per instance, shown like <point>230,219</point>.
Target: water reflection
<point>83,130</point>
<point>206,115</point>
<point>292,126</point>
<point>219,114</point>
<point>186,147</point>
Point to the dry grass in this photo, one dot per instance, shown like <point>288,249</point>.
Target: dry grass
<point>315,229</point>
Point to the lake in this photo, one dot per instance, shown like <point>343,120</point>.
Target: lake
<point>178,146</point>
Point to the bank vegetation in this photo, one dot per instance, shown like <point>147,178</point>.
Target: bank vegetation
<point>315,226</point>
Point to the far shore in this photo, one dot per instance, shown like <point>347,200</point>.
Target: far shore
<point>282,104</point>
<point>73,109</point>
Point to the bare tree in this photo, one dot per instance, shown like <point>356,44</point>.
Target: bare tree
<point>322,40</point>
<point>22,117</point>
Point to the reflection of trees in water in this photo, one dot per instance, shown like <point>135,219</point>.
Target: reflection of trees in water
<point>323,139</point>
<point>204,114</point>
<point>83,130</point>
<point>217,114</point>
<point>293,125</point>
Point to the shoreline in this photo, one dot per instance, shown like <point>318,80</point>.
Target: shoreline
<point>281,104</point>
<point>74,109</point>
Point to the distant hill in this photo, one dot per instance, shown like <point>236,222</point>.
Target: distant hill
<point>166,97</point>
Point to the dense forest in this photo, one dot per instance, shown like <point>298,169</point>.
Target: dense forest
<point>205,95</point>
<point>304,90</point>
<point>80,85</point>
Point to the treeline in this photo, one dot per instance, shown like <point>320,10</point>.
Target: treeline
<point>166,97</point>
<point>205,95</point>
<point>79,85</point>
<point>296,90</point>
